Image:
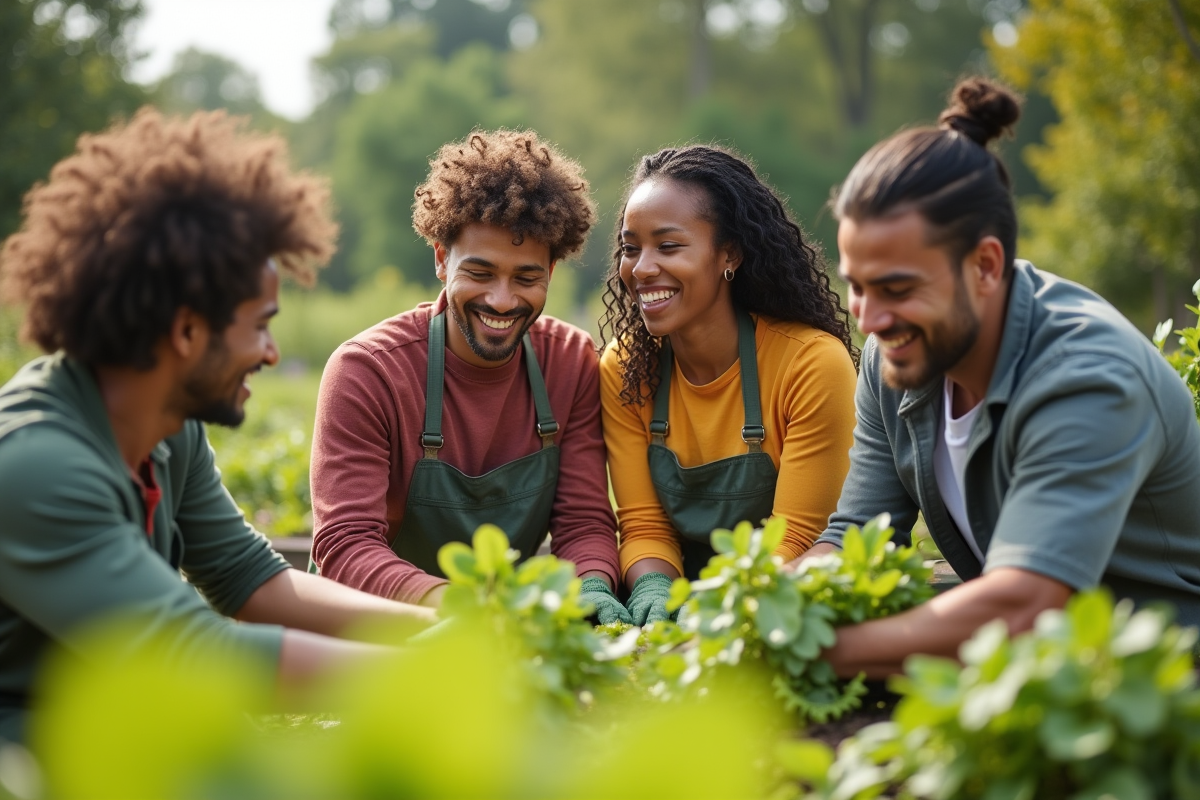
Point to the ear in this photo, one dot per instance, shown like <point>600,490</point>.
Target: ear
<point>731,256</point>
<point>439,261</point>
<point>987,262</point>
<point>550,272</point>
<point>189,334</point>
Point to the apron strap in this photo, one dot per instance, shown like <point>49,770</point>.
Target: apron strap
<point>546,426</point>
<point>435,374</point>
<point>753,431</point>
<point>431,437</point>
<point>659,426</point>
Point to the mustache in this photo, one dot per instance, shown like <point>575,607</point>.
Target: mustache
<point>897,330</point>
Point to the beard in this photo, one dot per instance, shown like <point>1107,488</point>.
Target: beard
<point>488,345</point>
<point>945,344</point>
<point>207,392</point>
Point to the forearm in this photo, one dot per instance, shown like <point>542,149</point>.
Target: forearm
<point>939,627</point>
<point>305,656</point>
<point>306,602</point>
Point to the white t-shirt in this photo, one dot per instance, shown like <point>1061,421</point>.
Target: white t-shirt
<point>950,463</point>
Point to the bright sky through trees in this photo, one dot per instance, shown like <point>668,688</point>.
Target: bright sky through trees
<point>274,39</point>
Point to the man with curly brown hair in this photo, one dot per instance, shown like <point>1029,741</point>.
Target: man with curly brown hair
<point>149,267</point>
<point>474,408</point>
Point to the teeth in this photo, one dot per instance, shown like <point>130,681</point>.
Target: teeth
<point>899,341</point>
<point>654,297</point>
<point>497,324</point>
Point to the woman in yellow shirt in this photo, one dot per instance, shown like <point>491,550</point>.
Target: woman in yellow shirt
<point>728,388</point>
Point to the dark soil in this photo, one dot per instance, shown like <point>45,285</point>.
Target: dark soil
<point>877,706</point>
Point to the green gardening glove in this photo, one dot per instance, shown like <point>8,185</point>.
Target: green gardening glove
<point>648,598</point>
<point>606,607</point>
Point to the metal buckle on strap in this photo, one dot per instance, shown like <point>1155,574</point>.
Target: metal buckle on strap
<point>432,442</point>
<point>753,436</point>
<point>547,432</point>
<point>658,431</point>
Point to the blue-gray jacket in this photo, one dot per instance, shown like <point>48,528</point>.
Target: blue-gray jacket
<point>1084,465</point>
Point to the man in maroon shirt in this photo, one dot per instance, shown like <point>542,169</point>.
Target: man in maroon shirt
<point>475,408</point>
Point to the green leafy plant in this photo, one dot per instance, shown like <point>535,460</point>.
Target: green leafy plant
<point>746,605</point>
<point>264,465</point>
<point>1185,360</point>
<point>535,605</point>
<point>1096,701</point>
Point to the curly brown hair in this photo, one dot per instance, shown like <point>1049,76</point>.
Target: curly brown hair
<point>155,215</point>
<point>508,178</point>
<point>782,275</point>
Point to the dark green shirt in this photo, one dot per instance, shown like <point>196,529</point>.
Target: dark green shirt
<point>73,542</point>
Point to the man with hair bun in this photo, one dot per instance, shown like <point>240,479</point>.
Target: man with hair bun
<point>149,268</point>
<point>475,408</point>
<point>1048,445</point>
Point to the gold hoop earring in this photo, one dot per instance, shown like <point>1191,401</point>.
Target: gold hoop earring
<point>728,274</point>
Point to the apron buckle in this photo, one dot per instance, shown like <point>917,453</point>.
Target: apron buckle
<point>658,431</point>
<point>753,436</point>
<point>547,430</point>
<point>432,442</point>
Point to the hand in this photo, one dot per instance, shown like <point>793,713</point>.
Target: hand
<point>648,598</point>
<point>607,608</point>
<point>817,550</point>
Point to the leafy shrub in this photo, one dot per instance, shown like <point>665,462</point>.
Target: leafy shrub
<point>747,606</point>
<point>1185,360</point>
<point>536,606</point>
<point>1096,701</point>
<point>264,465</point>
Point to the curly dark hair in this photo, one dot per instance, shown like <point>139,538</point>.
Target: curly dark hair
<point>508,178</point>
<point>155,215</point>
<point>781,275</point>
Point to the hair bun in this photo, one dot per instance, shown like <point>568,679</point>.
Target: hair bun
<point>981,110</point>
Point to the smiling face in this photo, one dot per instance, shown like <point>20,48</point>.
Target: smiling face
<point>910,295</point>
<point>495,290</point>
<point>216,390</point>
<point>670,260</point>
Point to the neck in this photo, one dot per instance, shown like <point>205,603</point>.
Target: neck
<point>706,349</point>
<point>972,375</point>
<point>136,402</point>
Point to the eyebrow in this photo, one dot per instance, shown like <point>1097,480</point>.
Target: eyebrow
<point>483,262</point>
<point>891,277</point>
<point>656,231</point>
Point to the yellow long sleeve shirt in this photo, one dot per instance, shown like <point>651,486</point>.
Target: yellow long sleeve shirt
<point>806,389</point>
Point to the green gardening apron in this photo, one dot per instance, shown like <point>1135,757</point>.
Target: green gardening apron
<point>444,505</point>
<point>722,493</point>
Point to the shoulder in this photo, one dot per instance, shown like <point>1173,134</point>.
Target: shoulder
<point>555,335</point>
<point>799,345</point>
<point>1074,339</point>
<point>45,459</point>
<point>394,333</point>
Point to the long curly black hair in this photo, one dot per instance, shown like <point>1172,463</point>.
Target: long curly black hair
<point>781,274</point>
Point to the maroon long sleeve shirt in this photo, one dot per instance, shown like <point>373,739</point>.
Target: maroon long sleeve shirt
<point>370,414</point>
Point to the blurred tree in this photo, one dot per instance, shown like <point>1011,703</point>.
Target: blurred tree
<point>206,81</point>
<point>456,23</point>
<point>62,74</point>
<point>1124,162</point>
<point>385,140</point>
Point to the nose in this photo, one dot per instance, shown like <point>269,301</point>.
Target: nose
<point>644,268</point>
<point>872,315</point>
<point>271,354</point>
<point>502,298</point>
